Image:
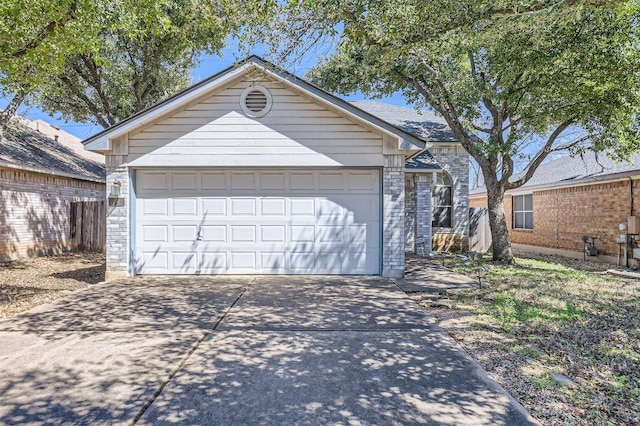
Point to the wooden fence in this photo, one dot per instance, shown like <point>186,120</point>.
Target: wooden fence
<point>479,231</point>
<point>88,226</point>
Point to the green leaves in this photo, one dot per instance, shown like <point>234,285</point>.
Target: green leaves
<point>101,61</point>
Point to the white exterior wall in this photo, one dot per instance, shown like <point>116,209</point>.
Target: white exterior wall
<point>215,132</point>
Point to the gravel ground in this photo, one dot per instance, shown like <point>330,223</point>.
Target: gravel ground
<point>27,283</point>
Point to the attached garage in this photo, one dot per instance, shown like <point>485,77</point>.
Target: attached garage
<point>217,221</point>
<point>255,171</point>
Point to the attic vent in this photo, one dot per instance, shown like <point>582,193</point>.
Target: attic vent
<point>255,101</point>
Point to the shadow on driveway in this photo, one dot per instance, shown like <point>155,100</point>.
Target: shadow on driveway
<point>241,350</point>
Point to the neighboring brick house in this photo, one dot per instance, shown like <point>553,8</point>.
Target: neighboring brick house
<point>569,197</point>
<point>42,170</point>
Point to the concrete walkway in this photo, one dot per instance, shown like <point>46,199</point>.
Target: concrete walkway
<point>431,276</point>
<point>234,350</point>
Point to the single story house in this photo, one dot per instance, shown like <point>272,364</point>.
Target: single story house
<point>42,171</point>
<point>256,171</point>
<point>569,197</point>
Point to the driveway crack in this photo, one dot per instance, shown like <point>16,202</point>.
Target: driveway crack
<point>184,360</point>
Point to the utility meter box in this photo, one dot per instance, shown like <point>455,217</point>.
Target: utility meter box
<point>633,225</point>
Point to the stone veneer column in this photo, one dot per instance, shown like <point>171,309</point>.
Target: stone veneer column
<point>393,216</point>
<point>409,213</point>
<point>423,209</point>
<point>117,220</point>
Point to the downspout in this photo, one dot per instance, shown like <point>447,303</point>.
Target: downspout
<point>631,196</point>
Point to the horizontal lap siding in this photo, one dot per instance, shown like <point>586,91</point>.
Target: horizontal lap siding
<point>34,211</point>
<point>215,132</point>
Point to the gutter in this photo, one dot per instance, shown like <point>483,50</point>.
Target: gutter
<point>614,177</point>
<point>52,172</point>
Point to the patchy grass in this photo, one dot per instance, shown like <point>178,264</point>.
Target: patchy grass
<point>551,315</point>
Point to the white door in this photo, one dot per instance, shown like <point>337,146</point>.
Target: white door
<point>257,221</point>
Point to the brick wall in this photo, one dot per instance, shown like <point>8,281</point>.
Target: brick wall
<point>393,216</point>
<point>34,211</point>
<point>561,216</point>
<point>455,161</point>
<point>409,213</point>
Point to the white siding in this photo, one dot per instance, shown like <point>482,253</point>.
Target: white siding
<point>296,132</point>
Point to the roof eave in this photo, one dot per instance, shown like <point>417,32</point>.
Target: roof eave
<point>578,182</point>
<point>52,172</point>
<point>101,142</point>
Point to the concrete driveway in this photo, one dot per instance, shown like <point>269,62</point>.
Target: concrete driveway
<point>241,350</point>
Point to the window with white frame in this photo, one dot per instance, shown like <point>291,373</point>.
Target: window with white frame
<point>523,211</point>
<point>442,201</point>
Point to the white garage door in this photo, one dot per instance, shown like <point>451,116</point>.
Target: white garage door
<point>257,222</point>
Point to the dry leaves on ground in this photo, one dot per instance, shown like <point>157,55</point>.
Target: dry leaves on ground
<point>545,317</point>
<point>26,283</point>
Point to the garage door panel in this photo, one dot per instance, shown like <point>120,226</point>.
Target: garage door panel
<point>153,180</point>
<point>184,233</point>
<point>213,261</point>
<point>184,261</point>
<point>243,181</point>
<point>273,207</point>
<point>243,261</point>
<point>184,180</point>
<point>243,233</point>
<point>214,180</point>
<point>155,233</point>
<point>273,261</point>
<point>273,233</point>
<point>214,206</point>
<point>155,260</point>
<point>302,181</point>
<point>303,207</point>
<point>155,207</point>
<point>214,233</point>
<point>331,234</point>
<point>243,206</point>
<point>184,206</point>
<point>362,181</point>
<point>273,181</point>
<point>245,222</point>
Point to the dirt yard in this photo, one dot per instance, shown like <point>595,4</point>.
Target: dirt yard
<point>27,283</point>
<point>560,335</point>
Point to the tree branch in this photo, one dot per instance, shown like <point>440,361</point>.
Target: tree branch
<point>47,30</point>
<point>11,109</point>
<point>540,156</point>
<point>539,6</point>
<point>91,106</point>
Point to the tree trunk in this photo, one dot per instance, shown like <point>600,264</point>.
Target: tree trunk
<point>498,223</point>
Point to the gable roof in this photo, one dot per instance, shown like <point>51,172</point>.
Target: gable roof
<point>584,168</point>
<point>423,125</point>
<point>422,161</point>
<point>33,146</point>
<point>101,141</point>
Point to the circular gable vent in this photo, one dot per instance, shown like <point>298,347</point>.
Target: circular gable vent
<point>255,101</point>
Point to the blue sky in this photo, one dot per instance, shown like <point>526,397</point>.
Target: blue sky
<point>209,65</point>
